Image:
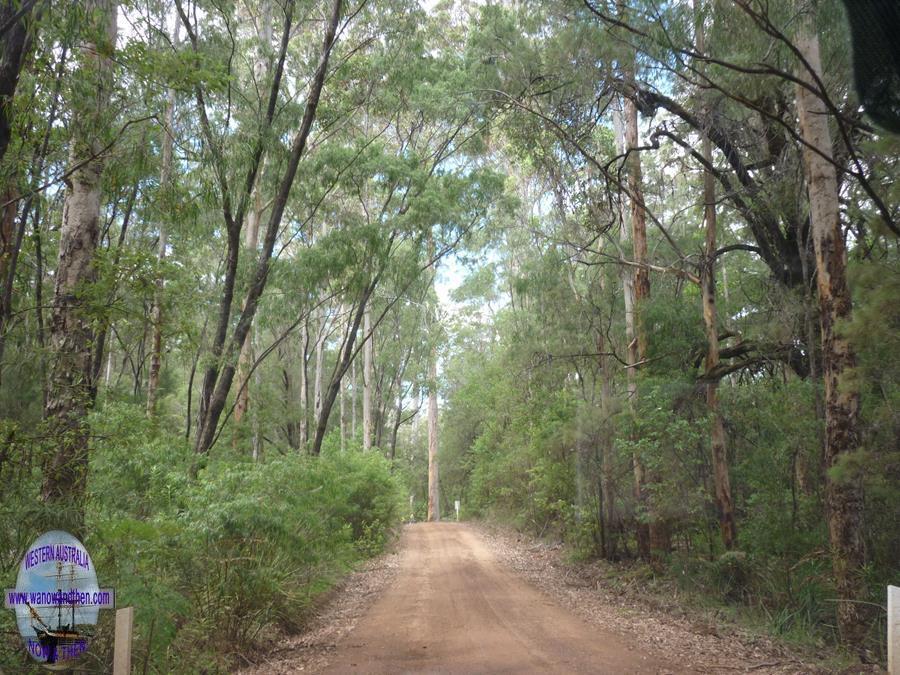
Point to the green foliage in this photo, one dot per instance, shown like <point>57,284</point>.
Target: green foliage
<point>217,565</point>
<point>485,130</point>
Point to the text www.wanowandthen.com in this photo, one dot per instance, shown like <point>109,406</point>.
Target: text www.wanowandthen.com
<point>74,596</point>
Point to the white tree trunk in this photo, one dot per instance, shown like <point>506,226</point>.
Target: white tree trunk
<point>71,337</point>
<point>251,236</point>
<point>434,496</point>
<point>320,366</point>
<point>304,386</point>
<point>607,445</point>
<point>343,418</point>
<point>633,356</point>
<point>353,399</point>
<point>844,496</point>
<point>109,365</point>
<point>165,185</point>
<point>368,379</point>
<point>719,451</point>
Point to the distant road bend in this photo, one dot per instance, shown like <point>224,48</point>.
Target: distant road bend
<point>454,609</point>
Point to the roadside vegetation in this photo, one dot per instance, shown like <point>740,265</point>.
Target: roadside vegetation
<point>215,567</point>
<point>277,274</point>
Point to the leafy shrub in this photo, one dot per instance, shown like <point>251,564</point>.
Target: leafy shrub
<point>213,566</point>
<point>734,575</point>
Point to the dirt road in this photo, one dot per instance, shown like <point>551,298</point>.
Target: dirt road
<point>454,609</point>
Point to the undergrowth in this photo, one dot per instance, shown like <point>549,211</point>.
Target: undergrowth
<point>214,566</point>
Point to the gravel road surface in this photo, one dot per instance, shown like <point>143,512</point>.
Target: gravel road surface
<point>454,609</point>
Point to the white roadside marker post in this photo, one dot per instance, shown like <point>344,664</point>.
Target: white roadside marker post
<point>893,629</point>
<point>456,505</point>
<point>122,643</point>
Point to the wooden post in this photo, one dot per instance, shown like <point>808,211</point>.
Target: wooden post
<point>122,644</point>
<point>893,629</point>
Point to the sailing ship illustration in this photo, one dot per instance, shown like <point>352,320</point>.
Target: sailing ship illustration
<point>61,642</point>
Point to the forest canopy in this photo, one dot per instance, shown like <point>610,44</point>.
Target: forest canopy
<point>626,271</point>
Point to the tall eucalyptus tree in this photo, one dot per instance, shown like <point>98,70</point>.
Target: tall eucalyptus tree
<point>71,375</point>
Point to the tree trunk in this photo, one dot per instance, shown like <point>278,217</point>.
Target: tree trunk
<point>251,236</point>
<point>11,236</point>
<point>607,453</point>
<point>165,187</point>
<point>343,420</point>
<point>255,438</point>
<point>368,377</point>
<point>304,387</point>
<point>14,45</point>
<point>434,495</point>
<point>69,390</point>
<point>660,540</point>
<point>39,303</point>
<point>808,478</point>
<point>320,365</point>
<point>844,497</point>
<point>642,528</point>
<point>395,428</point>
<point>353,400</point>
<point>721,478</point>
<point>381,399</point>
<point>287,382</point>
<point>251,242</point>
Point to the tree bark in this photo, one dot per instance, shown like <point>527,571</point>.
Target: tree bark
<point>319,379</point>
<point>343,418</point>
<point>14,45</point>
<point>353,400</point>
<point>251,236</point>
<point>39,303</point>
<point>242,402</point>
<point>289,395</point>
<point>304,387</point>
<point>607,453</point>
<point>368,377</point>
<point>721,479</point>
<point>660,540</point>
<point>69,390</point>
<point>642,528</point>
<point>719,450</point>
<point>10,245</point>
<point>434,494</point>
<point>395,427</point>
<point>381,401</point>
<point>165,187</point>
<point>844,495</point>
